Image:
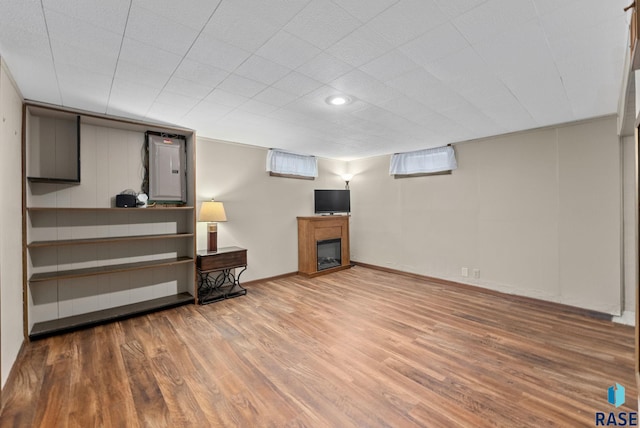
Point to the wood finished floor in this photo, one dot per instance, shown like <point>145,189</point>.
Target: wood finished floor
<point>354,348</point>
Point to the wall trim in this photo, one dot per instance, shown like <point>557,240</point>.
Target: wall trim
<point>513,297</point>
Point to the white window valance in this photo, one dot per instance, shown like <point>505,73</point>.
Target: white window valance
<point>423,161</point>
<point>286,163</point>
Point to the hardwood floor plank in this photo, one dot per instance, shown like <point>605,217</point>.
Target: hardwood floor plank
<point>24,387</point>
<point>354,348</point>
<point>151,408</point>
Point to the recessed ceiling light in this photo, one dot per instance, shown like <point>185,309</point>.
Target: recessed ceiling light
<point>338,100</point>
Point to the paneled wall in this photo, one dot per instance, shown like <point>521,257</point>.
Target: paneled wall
<point>535,213</point>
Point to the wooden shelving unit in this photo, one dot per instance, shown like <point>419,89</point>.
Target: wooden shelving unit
<point>63,325</point>
<point>87,262</point>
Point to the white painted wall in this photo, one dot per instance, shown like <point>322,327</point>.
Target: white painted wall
<point>538,213</point>
<point>11,330</point>
<point>261,210</point>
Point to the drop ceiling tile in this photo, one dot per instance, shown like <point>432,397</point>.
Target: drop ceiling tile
<point>494,17</point>
<point>438,97</point>
<point>506,111</point>
<point>188,88</point>
<point>135,73</point>
<point>168,113</point>
<point>476,88</point>
<point>322,23</point>
<point>257,107</point>
<point>205,112</point>
<point>458,66</point>
<point>297,84</point>
<point>288,50</point>
<point>35,77</point>
<point>23,15</point>
<point>218,96</point>
<point>82,88</point>
<point>200,73</point>
<point>276,13</point>
<point>193,14</point>
<point>75,32</point>
<point>324,68</point>
<point>407,19</point>
<point>473,119</point>
<point>524,52</point>
<point>241,86</point>
<point>408,108</point>
<point>261,70</point>
<point>389,66</point>
<point>547,6</point>
<point>108,15</point>
<point>208,50</point>
<point>571,19</point>
<point>546,101</point>
<point>441,125</point>
<point>161,32</point>
<point>148,57</point>
<point>180,101</point>
<point>22,43</point>
<point>100,62</point>
<point>131,99</point>
<point>412,81</point>
<point>434,45</point>
<point>360,47</point>
<point>275,97</point>
<point>239,26</point>
<point>454,8</point>
<point>365,11</point>
<point>593,43</point>
<point>362,86</point>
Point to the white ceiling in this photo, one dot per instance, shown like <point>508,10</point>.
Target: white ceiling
<point>422,73</point>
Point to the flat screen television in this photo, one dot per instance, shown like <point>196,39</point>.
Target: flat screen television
<point>332,201</point>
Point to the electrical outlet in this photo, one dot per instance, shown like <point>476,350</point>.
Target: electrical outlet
<point>476,273</point>
<point>465,272</point>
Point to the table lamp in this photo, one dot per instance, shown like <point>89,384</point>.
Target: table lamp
<point>212,212</point>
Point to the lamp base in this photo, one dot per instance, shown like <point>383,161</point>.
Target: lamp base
<point>212,241</point>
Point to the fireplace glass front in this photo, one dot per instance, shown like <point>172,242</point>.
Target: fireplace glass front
<point>329,253</point>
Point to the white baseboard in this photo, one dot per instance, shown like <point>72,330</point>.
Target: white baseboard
<point>627,318</point>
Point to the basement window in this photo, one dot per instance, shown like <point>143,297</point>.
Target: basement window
<point>436,161</point>
<point>291,165</point>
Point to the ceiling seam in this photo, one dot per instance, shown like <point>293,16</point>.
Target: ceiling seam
<point>115,70</point>
<point>53,59</point>
<point>555,63</point>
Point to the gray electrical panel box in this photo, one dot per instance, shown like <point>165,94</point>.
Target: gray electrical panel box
<point>167,166</point>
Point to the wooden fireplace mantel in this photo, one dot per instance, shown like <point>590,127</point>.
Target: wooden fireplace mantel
<point>321,228</point>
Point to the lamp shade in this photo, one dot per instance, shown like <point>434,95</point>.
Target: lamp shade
<point>212,211</point>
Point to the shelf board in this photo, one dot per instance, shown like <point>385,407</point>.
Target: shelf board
<point>64,242</point>
<point>53,180</point>
<point>48,328</point>
<point>85,209</point>
<point>103,270</point>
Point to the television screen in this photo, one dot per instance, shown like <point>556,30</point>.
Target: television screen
<point>332,201</point>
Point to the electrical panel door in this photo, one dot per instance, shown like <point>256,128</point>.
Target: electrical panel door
<point>167,169</point>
